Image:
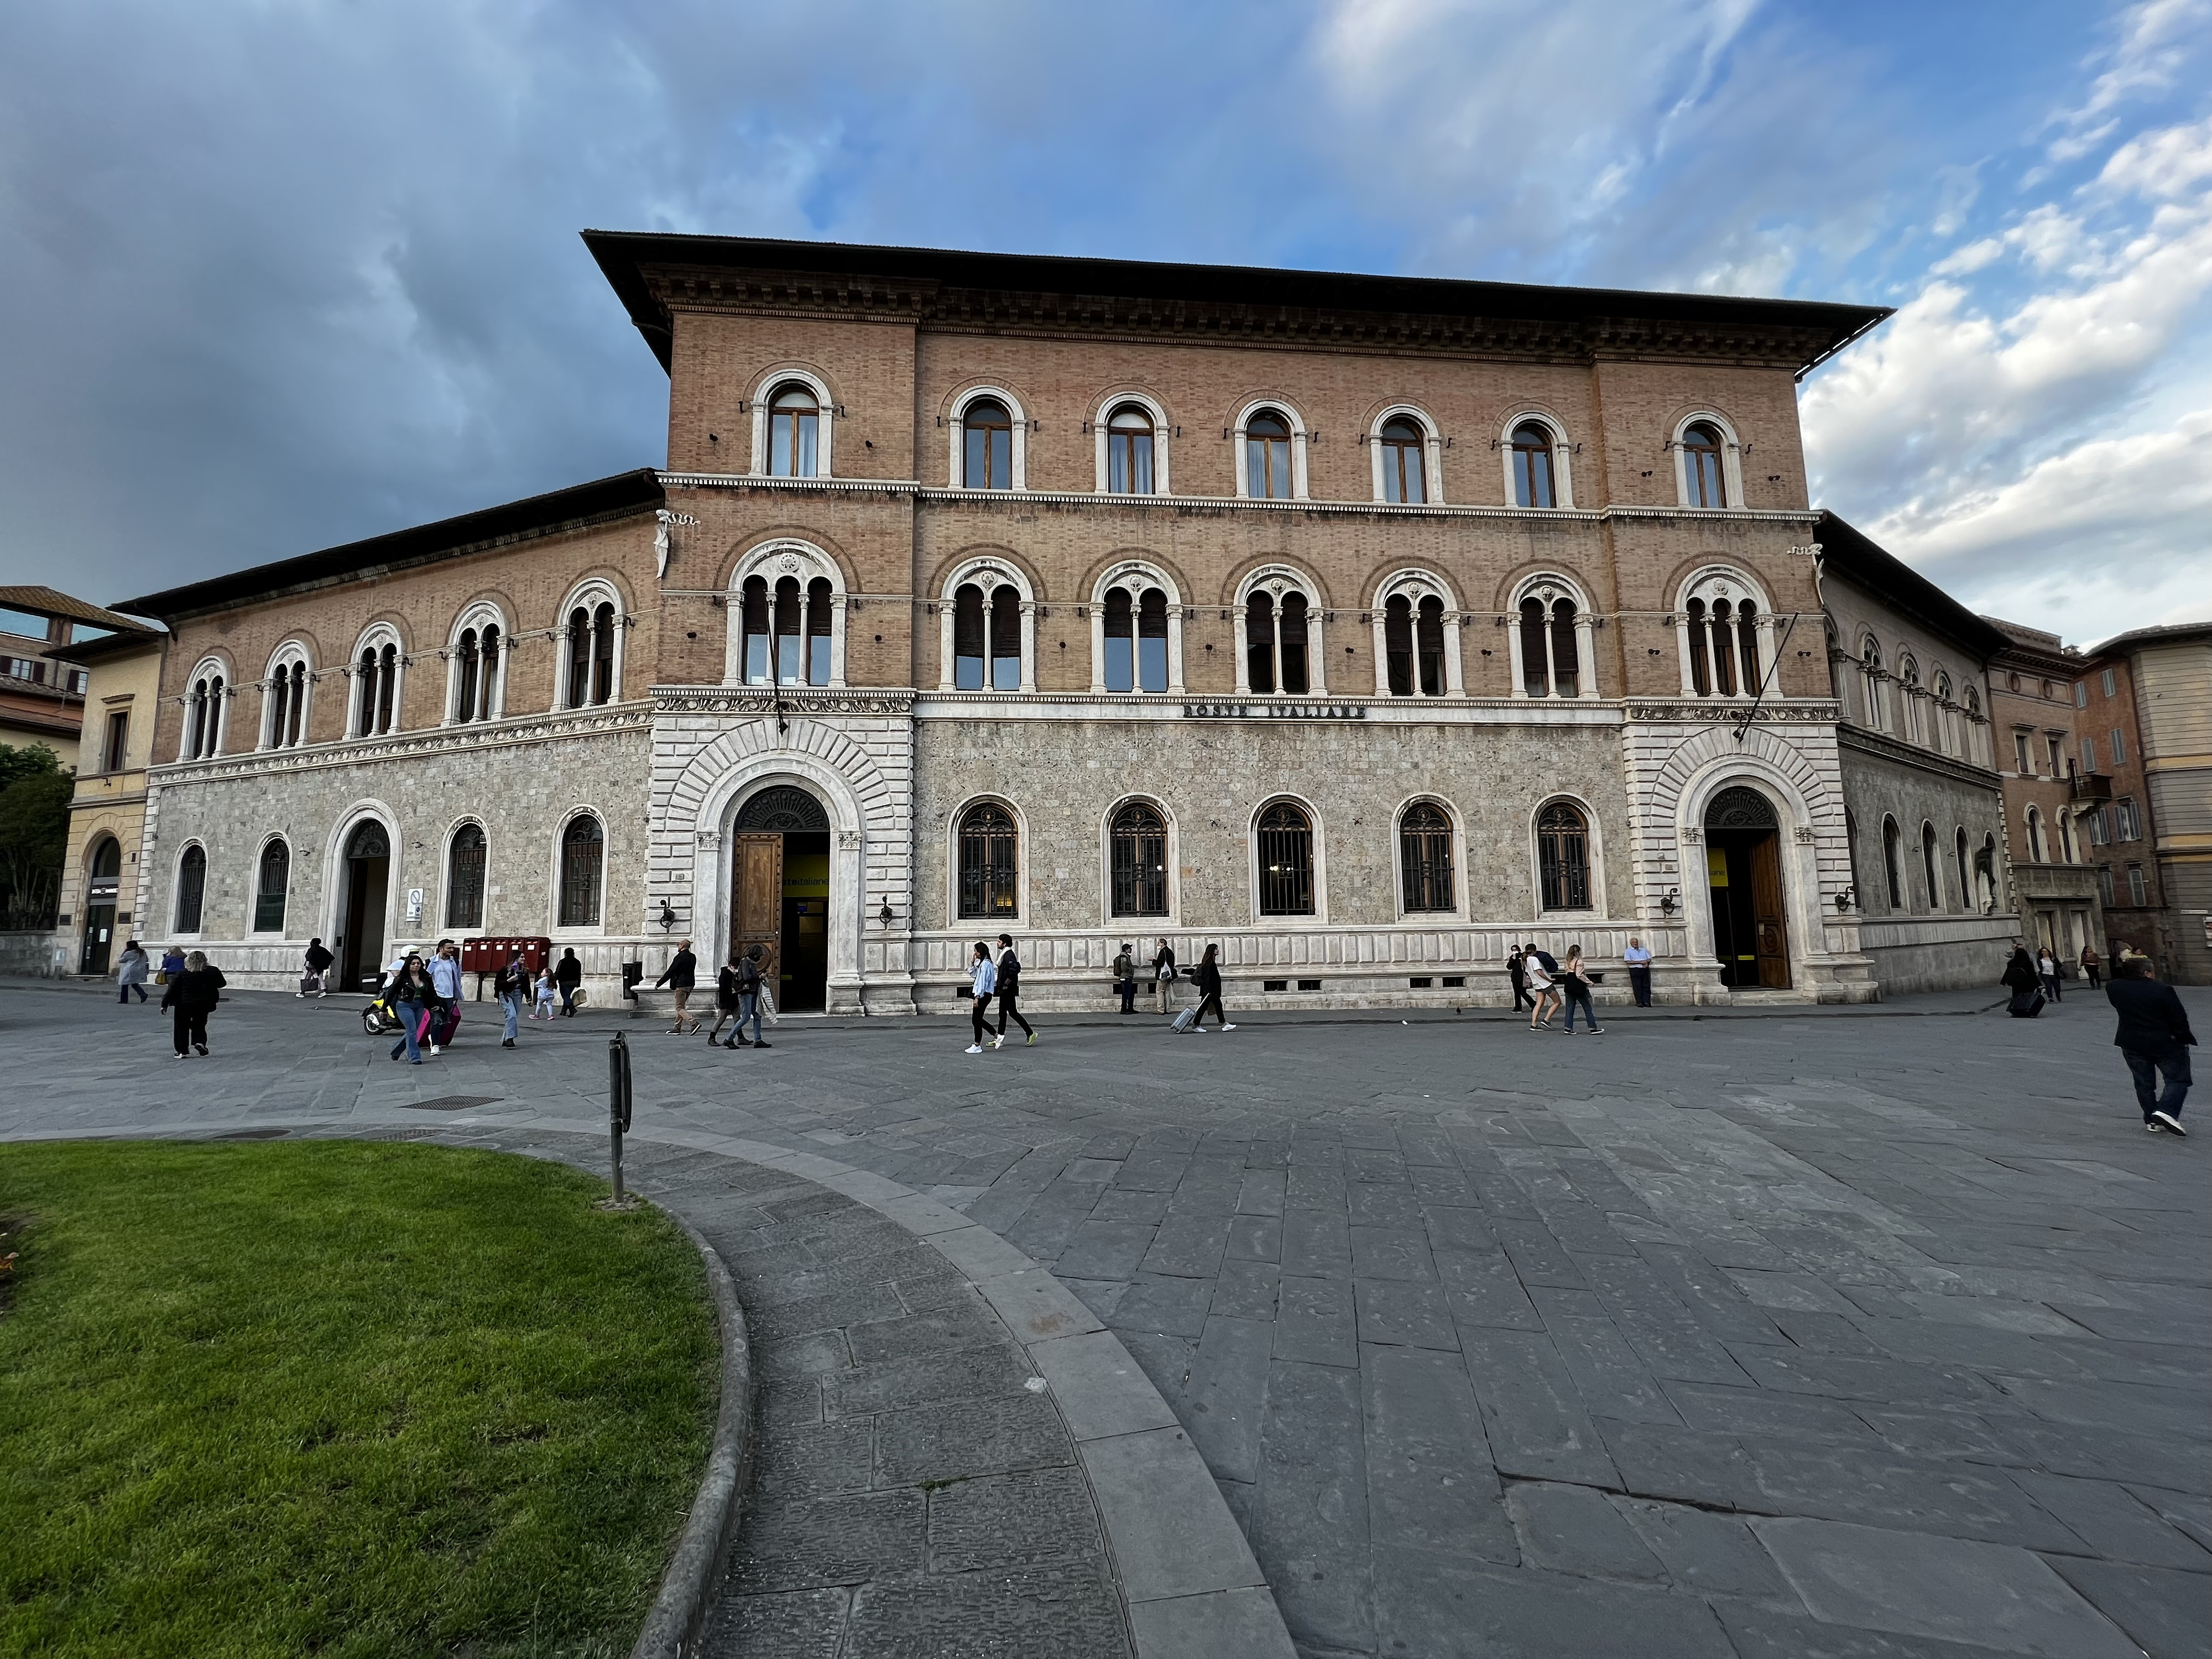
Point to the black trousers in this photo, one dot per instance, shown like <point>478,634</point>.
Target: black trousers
<point>982,1008</point>
<point>1127,987</point>
<point>1639,981</point>
<point>1521,997</point>
<point>189,1025</point>
<point>1007,1010</point>
<point>1211,1000</point>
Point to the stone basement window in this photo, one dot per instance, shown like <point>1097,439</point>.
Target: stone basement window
<point>1454,982</point>
<point>1274,985</point>
<point>1421,983</point>
<point>1309,985</point>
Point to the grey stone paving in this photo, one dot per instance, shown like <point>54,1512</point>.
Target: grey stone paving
<point>1797,1334</point>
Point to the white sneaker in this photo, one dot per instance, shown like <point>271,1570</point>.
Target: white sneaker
<point>1000,1041</point>
<point>1229,1028</point>
<point>434,1048</point>
<point>974,1047</point>
<point>2170,1123</point>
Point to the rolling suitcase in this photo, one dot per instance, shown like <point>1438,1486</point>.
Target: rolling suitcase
<point>2025,1005</point>
<point>1186,1019</point>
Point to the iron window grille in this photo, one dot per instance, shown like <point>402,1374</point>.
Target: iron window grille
<point>989,861</point>
<point>1563,857</point>
<point>1140,861</point>
<point>1286,887</point>
<point>1425,855</point>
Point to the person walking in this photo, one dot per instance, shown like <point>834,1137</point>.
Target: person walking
<point>1164,975</point>
<point>982,981</point>
<point>2092,966</point>
<point>318,962</point>
<point>569,974</point>
<point>1577,991</point>
<point>1639,971</point>
<point>193,993</point>
<point>511,985</point>
<point>172,963</point>
<point>131,972</point>
<point>752,998</point>
<point>680,976</point>
<point>2153,1037</point>
<point>411,993</point>
<point>1010,990</point>
<point>2046,970</point>
<point>546,991</point>
<point>1206,977</point>
<point>1517,975</point>
<point>442,1018</point>
<point>725,997</point>
<point>1540,983</point>
<point>1125,979</point>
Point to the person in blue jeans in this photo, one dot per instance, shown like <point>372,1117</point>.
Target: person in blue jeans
<point>2153,1037</point>
<point>511,986</point>
<point>410,991</point>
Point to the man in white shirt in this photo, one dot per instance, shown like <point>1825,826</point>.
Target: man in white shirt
<point>1639,971</point>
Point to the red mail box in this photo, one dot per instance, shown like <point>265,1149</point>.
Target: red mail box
<point>488,955</point>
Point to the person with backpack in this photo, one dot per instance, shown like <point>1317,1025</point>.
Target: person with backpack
<point>511,985</point>
<point>1010,989</point>
<point>1206,977</point>
<point>743,980</point>
<point>190,998</point>
<point>2153,1037</point>
<point>1164,975</point>
<point>1125,980</point>
<point>681,975</point>
<point>1543,971</point>
<point>314,982</point>
<point>982,981</point>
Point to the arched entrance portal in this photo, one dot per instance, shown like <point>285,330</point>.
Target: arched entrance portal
<point>102,886</point>
<point>367,875</point>
<point>780,891</point>
<point>1743,873</point>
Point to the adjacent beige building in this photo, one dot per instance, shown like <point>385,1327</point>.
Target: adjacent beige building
<point>122,672</point>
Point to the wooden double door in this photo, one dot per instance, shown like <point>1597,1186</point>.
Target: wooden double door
<point>780,900</point>
<point>1751,934</point>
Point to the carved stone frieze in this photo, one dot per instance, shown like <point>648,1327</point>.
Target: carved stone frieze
<point>411,745</point>
<point>744,701</point>
<point>1727,709</point>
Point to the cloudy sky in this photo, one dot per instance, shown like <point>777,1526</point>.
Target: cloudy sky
<point>282,273</point>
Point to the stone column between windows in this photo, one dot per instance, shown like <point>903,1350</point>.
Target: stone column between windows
<point>1317,652</point>
<point>838,609</point>
<point>1029,644</point>
<point>1175,650</point>
<point>1098,631</point>
<point>1516,656</point>
<point>1382,646</point>
<point>1240,649</point>
<point>1454,672</point>
<point>1585,656</point>
<point>945,612</point>
<point>1682,652</point>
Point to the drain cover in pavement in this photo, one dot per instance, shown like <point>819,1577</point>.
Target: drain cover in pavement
<point>449,1103</point>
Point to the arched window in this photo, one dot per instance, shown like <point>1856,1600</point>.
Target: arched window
<point>583,861</point>
<point>1425,856</point>
<point>1746,639</point>
<point>1908,678</point>
<point>1550,664</point>
<point>1870,670</point>
<point>476,673</point>
<point>1985,874</point>
<point>1532,484</point>
<point>2035,837</point>
<point>1703,479</point>
<point>1129,451</point>
<point>1267,457</point>
<point>989,861</point>
<point>465,878</point>
<point>191,889</point>
<point>787,632</point>
<point>987,456</point>
<point>987,639</point>
<point>1563,857</point>
<point>1965,879</point>
<point>1928,866</point>
<point>794,427</point>
<point>1139,837</point>
<point>1276,656</point>
<point>1404,446</point>
<point>1398,643</point>
<point>270,882</point>
<point>203,713</point>
<point>1892,859</point>
<point>1136,640</point>
<point>591,655</point>
<point>376,689</point>
<point>287,698</point>
<point>1285,846</point>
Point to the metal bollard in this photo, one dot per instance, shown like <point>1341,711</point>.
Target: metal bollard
<point>618,1111</point>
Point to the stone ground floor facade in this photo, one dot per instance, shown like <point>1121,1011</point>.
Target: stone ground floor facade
<point>1339,852</point>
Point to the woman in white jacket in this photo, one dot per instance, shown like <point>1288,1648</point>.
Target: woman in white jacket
<point>984,978</point>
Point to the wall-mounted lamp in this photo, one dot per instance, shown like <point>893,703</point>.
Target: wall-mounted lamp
<point>885,916</point>
<point>667,918</point>
<point>1670,901</point>
<point>1845,900</point>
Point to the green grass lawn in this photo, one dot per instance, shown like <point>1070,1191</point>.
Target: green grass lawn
<point>338,1398</point>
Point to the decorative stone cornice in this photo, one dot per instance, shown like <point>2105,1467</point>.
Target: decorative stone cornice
<point>514,732</point>
<point>1714,710</point>
<point>812,702</point>
<point>1909,754</point>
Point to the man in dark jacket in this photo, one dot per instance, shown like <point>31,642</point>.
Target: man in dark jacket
<point>569,974</point>
<point>313,983</point>
<point>190,998</point>
<point>1010,989</point>
<point>680,976</point>
<point>2153,1037</point>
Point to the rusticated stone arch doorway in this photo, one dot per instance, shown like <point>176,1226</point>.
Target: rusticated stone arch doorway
<point>780,891</point>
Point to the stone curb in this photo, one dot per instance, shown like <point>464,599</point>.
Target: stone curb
<point>1192,1587</point>
<point>677,1618</point>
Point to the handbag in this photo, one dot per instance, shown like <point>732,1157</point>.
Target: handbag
<point>2025,1005</point>
<point>161,977</point>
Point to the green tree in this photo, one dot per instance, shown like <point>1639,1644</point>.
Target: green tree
<point>34,803</point>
